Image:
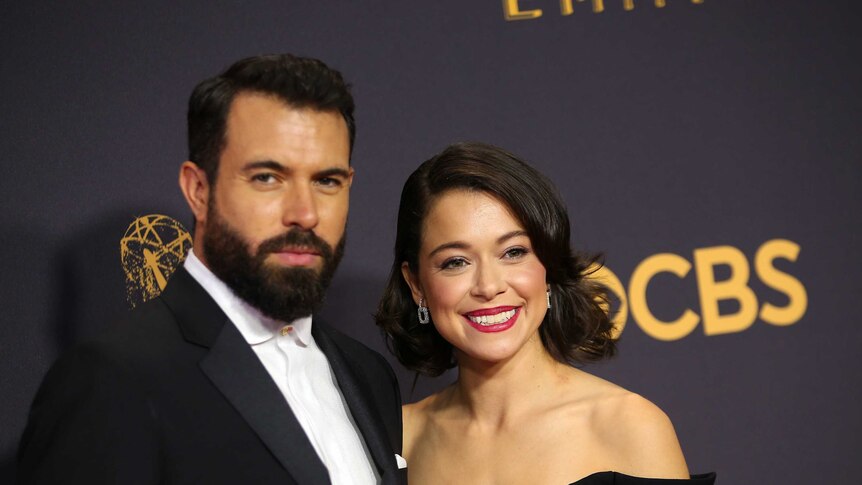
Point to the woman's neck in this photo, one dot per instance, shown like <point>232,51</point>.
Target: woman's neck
<point>496,393</point>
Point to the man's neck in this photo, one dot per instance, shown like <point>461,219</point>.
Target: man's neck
<point>254,325</point>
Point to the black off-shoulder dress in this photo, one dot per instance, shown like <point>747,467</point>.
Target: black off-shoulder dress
<point>614,478</point>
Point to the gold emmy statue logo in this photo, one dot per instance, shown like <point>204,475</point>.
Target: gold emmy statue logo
<point>152,248</point>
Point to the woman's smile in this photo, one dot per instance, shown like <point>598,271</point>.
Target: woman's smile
<point>495,319</point>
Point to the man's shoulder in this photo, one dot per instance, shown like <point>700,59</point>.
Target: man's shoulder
<point>141,329</point>
<point>146,335</point>
<point>104,395</point>
<point>141,353</point>
<point>181,315</point>
<point>370,368</point>
<point>352,347</point>
<point>346,342</point>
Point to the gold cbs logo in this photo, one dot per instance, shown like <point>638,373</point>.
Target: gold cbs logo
<point>711,292</point>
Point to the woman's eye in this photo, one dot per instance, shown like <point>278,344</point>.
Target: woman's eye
<point>454,263</point>
<point>515,253</point>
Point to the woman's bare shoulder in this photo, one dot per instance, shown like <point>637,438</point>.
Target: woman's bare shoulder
<point>412,413</point>
<point>631,416</point>
<point>585,393</point>
<point>638,432</point>
<point>416,416</point>
<point>420,410</point>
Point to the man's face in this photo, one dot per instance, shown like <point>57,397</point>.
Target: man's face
<point>274,227</point>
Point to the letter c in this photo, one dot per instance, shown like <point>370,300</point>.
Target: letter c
<point>643,273</point>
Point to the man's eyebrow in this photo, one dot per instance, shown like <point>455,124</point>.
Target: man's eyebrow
<point>333,172</point>
<point>268,164</point>
<point>278,167</point>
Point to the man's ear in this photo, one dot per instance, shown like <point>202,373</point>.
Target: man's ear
<point>196,189</point>
<point>412,281</point>
<point>350,174</point>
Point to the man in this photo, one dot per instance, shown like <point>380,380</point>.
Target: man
<point>224,378</point>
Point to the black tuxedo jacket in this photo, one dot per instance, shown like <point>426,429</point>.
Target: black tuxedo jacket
<point>177,396</point>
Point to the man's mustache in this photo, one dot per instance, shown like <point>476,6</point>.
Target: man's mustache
<point>295,237</point>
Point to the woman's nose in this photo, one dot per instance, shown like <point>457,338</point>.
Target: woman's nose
<point>489,282</point>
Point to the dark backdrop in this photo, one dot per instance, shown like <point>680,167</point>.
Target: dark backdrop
<point>669,130</point>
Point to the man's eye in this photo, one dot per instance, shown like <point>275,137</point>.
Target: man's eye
<point>329,182</point>
<point>263,177</point>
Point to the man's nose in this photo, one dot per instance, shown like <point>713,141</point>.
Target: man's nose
<point>300,208</point>
<point>489,282</point>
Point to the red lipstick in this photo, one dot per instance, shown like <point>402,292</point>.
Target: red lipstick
<point>502,318</point>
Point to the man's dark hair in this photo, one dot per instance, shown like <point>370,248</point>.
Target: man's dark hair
<point>301,82</point>
<point>577,328</point>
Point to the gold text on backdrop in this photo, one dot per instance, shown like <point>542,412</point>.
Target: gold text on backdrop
<point>513,10</point>
<point>711,292</point>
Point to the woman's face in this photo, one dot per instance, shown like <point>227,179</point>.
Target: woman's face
<point>482,283</point>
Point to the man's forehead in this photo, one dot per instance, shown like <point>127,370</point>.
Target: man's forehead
<point>248,101</point>
<point>263,127</point>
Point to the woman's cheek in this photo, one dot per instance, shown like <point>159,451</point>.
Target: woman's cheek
<point>445,294</point>
<point>530,279</point>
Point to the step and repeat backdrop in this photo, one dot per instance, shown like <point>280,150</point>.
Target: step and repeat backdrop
<point>709,148</point>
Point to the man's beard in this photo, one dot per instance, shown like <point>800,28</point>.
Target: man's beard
<point>279,292</point>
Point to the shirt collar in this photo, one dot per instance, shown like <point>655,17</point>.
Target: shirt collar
<point>254,326</point>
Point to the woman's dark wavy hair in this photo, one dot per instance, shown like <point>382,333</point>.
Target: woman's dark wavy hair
<point>576,329</point>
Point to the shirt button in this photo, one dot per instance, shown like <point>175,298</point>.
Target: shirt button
<point>286,330</point>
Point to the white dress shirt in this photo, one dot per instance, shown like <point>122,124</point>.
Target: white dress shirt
<point>303,375</point>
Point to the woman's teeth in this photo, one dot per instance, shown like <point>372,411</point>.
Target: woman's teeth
<point>486,320</point>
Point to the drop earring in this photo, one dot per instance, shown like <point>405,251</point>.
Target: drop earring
<point>423,312</point>
<point>548,294</point>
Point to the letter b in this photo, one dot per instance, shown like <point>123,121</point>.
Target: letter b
<point>733,288</point>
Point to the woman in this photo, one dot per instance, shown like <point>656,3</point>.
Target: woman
<point>484,278</point>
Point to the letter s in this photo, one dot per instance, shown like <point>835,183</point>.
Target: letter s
<point>782,282</point>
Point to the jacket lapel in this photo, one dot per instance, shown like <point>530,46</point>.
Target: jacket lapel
<point>358,398</point>
<point>235,370</point>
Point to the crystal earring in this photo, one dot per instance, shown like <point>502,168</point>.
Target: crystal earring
<point>549,296</point>
<point>423,312</point>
